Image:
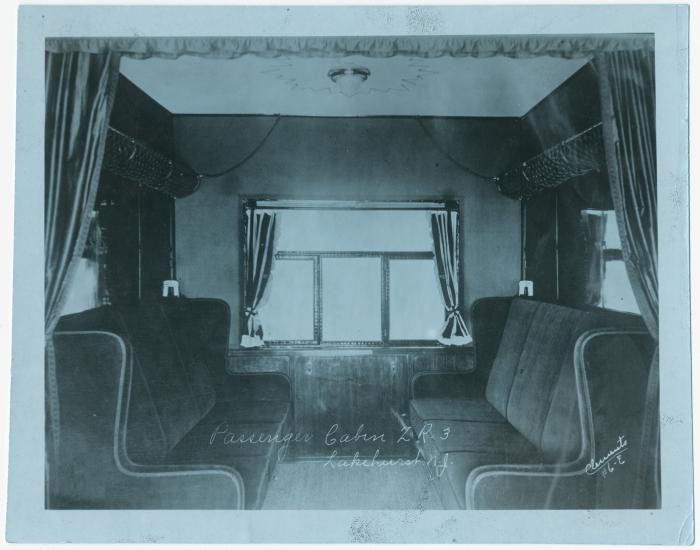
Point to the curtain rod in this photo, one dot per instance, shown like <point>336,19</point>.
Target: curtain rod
<point>293,204</point>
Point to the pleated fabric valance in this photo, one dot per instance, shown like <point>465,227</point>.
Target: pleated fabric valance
<point>517,46</point>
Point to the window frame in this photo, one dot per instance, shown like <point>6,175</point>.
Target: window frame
<point>451,205</point>
<point>608,255</point>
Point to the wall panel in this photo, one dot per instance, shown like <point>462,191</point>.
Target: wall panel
<point>390,158</point>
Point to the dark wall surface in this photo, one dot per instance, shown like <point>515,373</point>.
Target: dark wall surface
<point>135,220</point>
<point>139,116</point>
<point>554,244</point>
<point>573,107</point>
<point>344,158</point>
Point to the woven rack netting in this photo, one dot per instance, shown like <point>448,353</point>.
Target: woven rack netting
<point>574,157</point>
<point>131,160</point>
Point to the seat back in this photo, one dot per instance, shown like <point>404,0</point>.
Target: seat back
<point>532,381</point>
<point>172,387</point>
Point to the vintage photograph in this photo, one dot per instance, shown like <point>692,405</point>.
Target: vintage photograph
<point>351,273</point>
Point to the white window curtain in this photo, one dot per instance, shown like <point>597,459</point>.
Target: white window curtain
<point>259,254</point>
<point>443,225</point>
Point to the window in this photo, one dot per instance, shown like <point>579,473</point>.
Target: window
<point>616,290</point>
<point>352,274</point>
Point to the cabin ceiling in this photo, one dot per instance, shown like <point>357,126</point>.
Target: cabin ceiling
<point>397,86</point>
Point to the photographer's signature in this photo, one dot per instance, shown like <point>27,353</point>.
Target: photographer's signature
<point>612,458</point>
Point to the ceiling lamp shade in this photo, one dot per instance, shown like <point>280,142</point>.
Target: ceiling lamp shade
<point>349,79</point>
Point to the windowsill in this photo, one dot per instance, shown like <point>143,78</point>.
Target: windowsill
<point>350,349</point>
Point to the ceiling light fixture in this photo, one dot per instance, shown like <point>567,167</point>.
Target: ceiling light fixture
<point>349,79</point>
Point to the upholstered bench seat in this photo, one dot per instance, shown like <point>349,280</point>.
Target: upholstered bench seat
<point>542,404</point>
<point>161,411</point>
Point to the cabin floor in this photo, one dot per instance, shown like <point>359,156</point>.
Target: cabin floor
<point>316,485</point>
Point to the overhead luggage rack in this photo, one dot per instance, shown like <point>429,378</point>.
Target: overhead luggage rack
<point>573,157</point>
<point>130,159</point>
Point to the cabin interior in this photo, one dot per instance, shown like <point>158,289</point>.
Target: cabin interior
<point>328,281</point>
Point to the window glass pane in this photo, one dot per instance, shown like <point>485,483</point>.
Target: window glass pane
<point>415,305</point>
<point>288,312</point>
<point>612,234</point>
<point>354,230</point>
<point>351,299</point>
<point>617,291</point>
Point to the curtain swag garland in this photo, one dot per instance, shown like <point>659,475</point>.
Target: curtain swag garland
<point>515,46</point>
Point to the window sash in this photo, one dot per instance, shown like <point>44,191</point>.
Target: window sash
<point>316,257</point>
<point>250,202</point>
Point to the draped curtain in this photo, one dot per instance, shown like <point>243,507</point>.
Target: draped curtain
<point>628,102</point>
<point>445,242</point>
<point>80,89</point>
<point>629,131</point>
<point>259,253</point>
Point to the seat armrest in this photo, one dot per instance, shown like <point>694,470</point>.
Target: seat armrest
<point>176,487</point>
<point>619,367</point>
<point>525,486</point>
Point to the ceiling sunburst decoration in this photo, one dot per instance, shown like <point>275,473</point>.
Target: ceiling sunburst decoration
<point>350,76</point>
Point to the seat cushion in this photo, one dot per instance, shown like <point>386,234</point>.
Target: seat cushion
<point>248,436</point>
<point>249,411</point>
<point>450,436</point>
<point>457,435</point>
<point>475,410</point>
<point>233,429</point>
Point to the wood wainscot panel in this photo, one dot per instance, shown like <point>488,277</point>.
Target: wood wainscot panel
<point>247,362</point>
<point>348,399</point>
<point>445,360</point>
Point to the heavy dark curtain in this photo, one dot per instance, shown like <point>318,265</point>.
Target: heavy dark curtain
<point>629,131</point>
<point>80,89</point>
<point>259,253</point>
<point>444,232</point>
